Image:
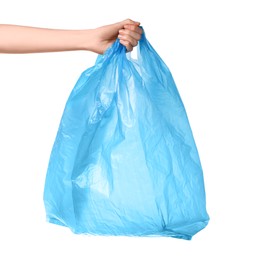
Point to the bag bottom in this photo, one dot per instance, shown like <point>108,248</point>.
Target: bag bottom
<point>148,233</point>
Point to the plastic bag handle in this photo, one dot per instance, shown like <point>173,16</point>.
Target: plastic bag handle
<point>145,47</point>
<point>143,42</point>
<point>141,48</point>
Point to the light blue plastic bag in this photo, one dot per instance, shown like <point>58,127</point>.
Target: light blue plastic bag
<point>124,161</point>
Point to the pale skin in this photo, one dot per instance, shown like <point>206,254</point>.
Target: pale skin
<point>26,39</point>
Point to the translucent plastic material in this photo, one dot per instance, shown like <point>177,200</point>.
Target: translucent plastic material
<point>124,161</point>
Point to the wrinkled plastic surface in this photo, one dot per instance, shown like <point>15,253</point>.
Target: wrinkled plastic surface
<point>124,161</point>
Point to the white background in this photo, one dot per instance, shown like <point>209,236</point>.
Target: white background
<point>211,48</point>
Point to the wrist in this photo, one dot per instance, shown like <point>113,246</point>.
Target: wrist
<point>85,40</point>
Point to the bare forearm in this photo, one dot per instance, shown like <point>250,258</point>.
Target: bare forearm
<point>26,39</point>
<point>23,39</point>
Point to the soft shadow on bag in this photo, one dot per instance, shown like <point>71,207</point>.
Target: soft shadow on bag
<point>124,161</point>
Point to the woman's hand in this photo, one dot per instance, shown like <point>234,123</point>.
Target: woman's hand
<point>127,31</point>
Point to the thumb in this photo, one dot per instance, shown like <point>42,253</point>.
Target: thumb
<point>129,21</point>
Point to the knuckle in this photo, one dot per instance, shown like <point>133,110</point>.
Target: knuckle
<point>131,27</point>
